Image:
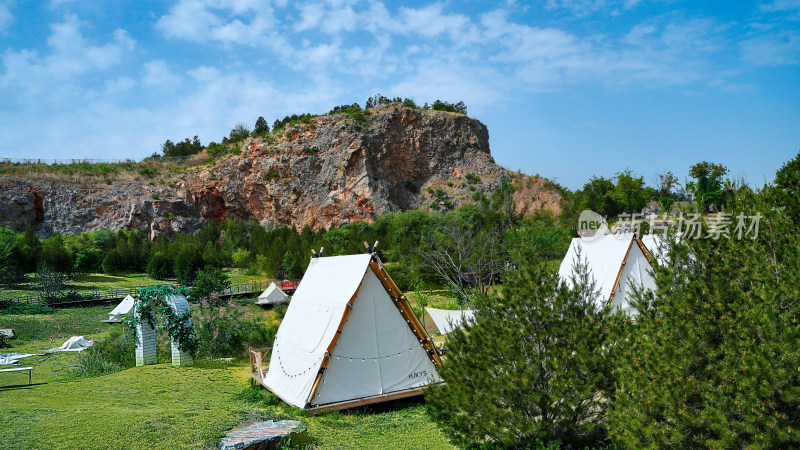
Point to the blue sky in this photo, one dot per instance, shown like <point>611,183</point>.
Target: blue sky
<point>568,88</point>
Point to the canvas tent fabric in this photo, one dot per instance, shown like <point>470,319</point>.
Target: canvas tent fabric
<point>13,358</point>
<point>346,338</point>
<point>273,294</point>
<point>615,261</point>
<point>73,344</point>
<point>125,307</point>
<point>444,321</point>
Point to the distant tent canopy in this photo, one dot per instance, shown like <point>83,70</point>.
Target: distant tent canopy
<point>349,338</point>
<point>117,315</point>
<point>272,295</point>
<point>443,321</point>
<point>615,262</point>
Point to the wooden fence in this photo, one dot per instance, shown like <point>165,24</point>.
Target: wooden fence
<point>107,295</point>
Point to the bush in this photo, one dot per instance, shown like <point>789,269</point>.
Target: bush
<point>239,132</point>
<point>225,331</point>
<point>187,263</point>
<point>8,307</point>
<point>52,287</point>
<point>160,266</point>
<point>530,368</point>
<point>209,283</point>
<point>112,354</point>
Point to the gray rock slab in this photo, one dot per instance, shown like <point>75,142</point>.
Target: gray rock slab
<point>263,435</point>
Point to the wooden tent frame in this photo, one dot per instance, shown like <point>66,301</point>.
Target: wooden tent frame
<point>402,305</point>
<point>647,255</point>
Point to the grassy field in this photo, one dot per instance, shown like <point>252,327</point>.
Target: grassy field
<point>161,406</point>
<point>101,281</point>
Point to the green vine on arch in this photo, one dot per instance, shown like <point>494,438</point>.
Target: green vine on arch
<point>150,300</point>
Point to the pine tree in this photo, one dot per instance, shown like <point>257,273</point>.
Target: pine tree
<point>533,367</point>
<point>261,127</point>
<point>713,359</point>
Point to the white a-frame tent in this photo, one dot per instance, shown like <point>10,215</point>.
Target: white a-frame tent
<point>272,295</point>
<point>615,262</point>
<point>118,314</point>
<point>349,338</point>
<point>443,321</point>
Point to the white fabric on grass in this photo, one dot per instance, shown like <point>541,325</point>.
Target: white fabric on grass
<point>13,358</point>
<point>73,344</point>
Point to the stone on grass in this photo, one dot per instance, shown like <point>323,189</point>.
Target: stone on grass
<point>263,435</point>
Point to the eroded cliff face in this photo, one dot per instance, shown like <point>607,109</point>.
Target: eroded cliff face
<point>328,172</point>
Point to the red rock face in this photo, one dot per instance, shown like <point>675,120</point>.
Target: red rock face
<point>328,172</point>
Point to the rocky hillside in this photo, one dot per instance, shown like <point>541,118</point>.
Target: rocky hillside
<point>327,172</point>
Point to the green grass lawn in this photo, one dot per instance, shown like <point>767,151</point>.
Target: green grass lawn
<point>161,406</point>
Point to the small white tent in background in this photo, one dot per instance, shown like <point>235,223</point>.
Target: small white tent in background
<point>117,315</point>
<point>614,261</point>
<point>349,338</point>
<point>272,295</point>
<point>443,321</point>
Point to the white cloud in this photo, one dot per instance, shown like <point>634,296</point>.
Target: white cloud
<point>781,6</point>
<point>773,49</point>
<point>71,55</point>
<point>242,22</point>
<point>581,8</point>
<point>5,17</point>
<point>157,74</point>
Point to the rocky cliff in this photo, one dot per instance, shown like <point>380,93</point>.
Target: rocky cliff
<point>327,172</point>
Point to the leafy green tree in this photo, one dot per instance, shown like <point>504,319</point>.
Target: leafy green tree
<point>55,255</point>
<point>459,107</point>
<point>261,127</point>
<point>11,264</point>
<point>239,132</point>
<point>288,266</point>
<point>598,195</point>
<point>241,258</point>
<point>667,181</point>
<point>538,237</point>
<point>707,185</point>
<point>712,359</point>
<point>787,187</point>
<point>533,368</point>
<point>30,246</point>
<point>182,148</point>
<point>629,192</point>
<point>209,283</point>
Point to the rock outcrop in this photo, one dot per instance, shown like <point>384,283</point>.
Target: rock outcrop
<point>327,172</point>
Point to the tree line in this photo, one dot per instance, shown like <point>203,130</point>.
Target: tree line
<point>241,131</point>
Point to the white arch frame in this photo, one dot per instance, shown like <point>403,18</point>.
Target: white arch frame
<point>146,335</point>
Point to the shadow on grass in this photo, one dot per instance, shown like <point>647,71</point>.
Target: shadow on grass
<point>384,407</point>
<point>95,278</point>
<point>14,387</point>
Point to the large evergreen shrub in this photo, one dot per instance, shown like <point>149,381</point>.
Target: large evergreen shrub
<point>713,360</point>
<point>533,367</point>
